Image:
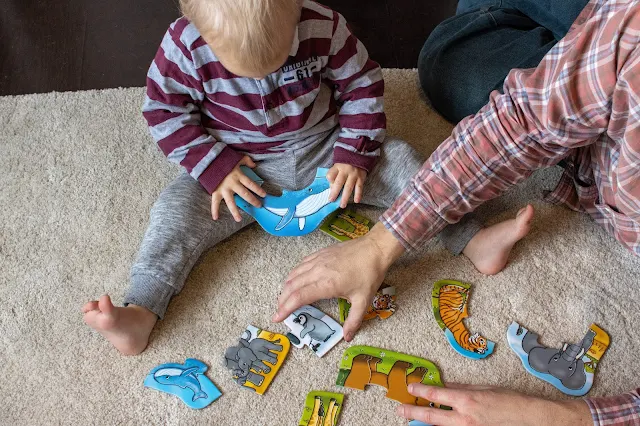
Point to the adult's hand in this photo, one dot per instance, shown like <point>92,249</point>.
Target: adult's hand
<point>488,405</point>
<point>352,270</point>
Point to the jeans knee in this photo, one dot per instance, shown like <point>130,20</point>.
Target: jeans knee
<point>449,81</point>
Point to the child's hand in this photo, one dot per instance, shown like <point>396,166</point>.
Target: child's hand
<point>236,182</point>
<point>346,177</point>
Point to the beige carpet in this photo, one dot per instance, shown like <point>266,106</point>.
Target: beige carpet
<point>79,174</point>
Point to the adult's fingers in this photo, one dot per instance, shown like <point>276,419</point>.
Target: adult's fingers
<point>216,198</point>
<point>357,196</point>
<point>305,295</point>
<point>347,190</point>
<point>252,186</point>
<point>354,319</point>
<point>336,186</point>
<point>464,386</point>
<point>293,280</point>
<point>231,205</point>
<point>246,195</point>
<point>437,394</point>
<point>432,416</point>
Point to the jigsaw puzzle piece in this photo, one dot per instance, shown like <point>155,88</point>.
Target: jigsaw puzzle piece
<point>313,328</point>
<point>256,359</point>
<point>186,381</point>
<point>571,368</point>
<point>321,409</point>
<point>450,302</point>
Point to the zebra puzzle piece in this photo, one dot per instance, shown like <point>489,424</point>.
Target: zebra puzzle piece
<point>365,365</point>
<point>186,381</point>
<point>312,327</point>
<point>382,306</point>
<point>321,409</point>
<point>256,359</point>
<point>450,307</point>
<point>570,369</point>
<point>294,213</point>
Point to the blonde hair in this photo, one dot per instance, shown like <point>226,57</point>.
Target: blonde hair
<point>255,30</point>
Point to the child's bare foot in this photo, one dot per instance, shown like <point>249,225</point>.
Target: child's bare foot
<point>127,329</point>
<point>489,249</point>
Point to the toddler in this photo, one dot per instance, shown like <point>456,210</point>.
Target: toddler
<point>280,86</point>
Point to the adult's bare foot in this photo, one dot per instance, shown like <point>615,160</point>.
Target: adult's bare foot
<point>489,249</point>
<point>126,328</point>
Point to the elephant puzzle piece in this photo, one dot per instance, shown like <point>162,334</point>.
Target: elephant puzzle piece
<point>186,381</point>
<point>570,369</point>
<point>321,409</point>
<point>382,306</point>
<point>256,359</point>
<point>344,225</point>
<point>311,327</point>
<point>450,300</point>
<point>294,213</point>
<point>364,365</point>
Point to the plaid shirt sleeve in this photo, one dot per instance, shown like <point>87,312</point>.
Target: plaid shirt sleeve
<point>578,90</point>
<point>616,411</point>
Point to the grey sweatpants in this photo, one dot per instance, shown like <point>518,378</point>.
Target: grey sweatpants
<point>181,228</point>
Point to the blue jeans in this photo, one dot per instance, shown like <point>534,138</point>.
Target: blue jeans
<point>469,55</point>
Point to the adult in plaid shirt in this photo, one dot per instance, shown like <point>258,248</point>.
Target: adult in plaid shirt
<point>580,107</point>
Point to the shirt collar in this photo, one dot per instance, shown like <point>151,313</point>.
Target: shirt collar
<point>295,44</point>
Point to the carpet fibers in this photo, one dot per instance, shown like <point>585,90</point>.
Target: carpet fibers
<point>79,175</point>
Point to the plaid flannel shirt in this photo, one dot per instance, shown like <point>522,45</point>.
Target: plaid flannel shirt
<point>581,105</point>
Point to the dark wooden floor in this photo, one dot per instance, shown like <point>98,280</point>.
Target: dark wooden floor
<point>62,45</point>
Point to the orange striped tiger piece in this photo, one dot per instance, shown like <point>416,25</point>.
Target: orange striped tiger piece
<point>453,309</point>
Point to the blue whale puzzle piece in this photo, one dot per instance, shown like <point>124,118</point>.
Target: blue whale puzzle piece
<point>417,423</point>
<point>186,381</point>
<point>294,213</point>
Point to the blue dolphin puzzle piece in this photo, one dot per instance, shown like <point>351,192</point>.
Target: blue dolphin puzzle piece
<point>186,381</point>
<point>294,213</point>
<point>417,423</point>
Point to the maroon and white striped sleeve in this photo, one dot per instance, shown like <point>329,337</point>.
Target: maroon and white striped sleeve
<point>171,108</point>
<point>358,88</point>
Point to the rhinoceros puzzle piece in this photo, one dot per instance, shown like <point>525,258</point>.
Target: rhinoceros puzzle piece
<point>186,381</point>
<point>571,368</point>
<point>294,213</point>
<point>311,327</point>
<point>256,359</point>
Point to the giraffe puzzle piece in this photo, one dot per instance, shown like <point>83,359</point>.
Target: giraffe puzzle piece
<point>256,359</point>
<point>365,365</point>
<point>450,301</point>
<point>312,327</point>
<point>571,368</point>
<point>344,225</point>
<point>321,409</point>
<point>294,213</point>
<point>382,306</point>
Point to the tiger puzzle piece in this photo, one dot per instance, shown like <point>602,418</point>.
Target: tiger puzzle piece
<point>311,327</point>
<point>321,409</point>
<point>382,306</point>
<point>450,307</point>
<point>256,359</point>
<point>294,213</point>
<point>365,365</point>
<point>570,369</point>
<point>186,381</point>
<point>344,225</point>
